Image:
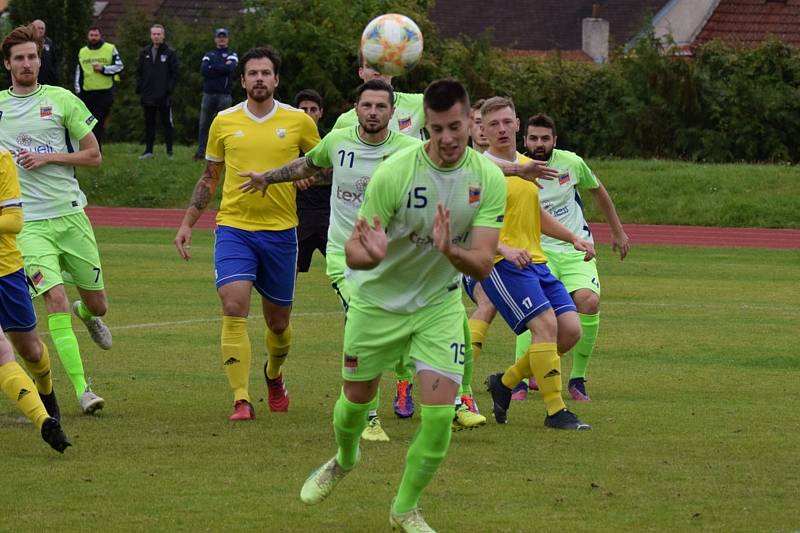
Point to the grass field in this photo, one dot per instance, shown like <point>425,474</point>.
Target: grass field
<point>645,192</point>
<point>695,413</point>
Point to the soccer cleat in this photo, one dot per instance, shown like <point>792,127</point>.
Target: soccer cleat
<point>410,522</point>
<point>242,410</point>
<point>98,330</point>
<point>532,385</point>
<point>565,419</point>
<point>374,432</point>
<point>51,405</point>
<point>577,389</point>
<point>469,401</point>
<point>501,397</point>
<point>53,435</point>
<point>403,402</point>
<point>520,392</point>
<point>466,419</point>
<point>321,482</point>
<point>91,402</point>
<point>278,398</point>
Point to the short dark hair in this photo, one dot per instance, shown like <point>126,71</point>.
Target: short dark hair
<point>21,35</point>
<point>308,94</point>
<point>94,28</point>
<point>376,84</point>
<point>441,95</point>
<point>478,104</point>
<point>260,52</point>
<point>541,121</point>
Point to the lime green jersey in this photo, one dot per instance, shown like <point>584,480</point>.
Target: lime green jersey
<point>353,161</point>
<point>560,197</point>
<point>48,120</point>
<point>408,118</point>
<point>404,192</point>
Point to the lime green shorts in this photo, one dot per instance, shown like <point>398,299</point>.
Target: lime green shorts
<point>575,273</point>
<point>375,340</point>
<point>61,250</point>
<point>335,266</point>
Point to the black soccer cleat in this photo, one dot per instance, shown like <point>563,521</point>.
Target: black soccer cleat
<point>565,419</point>
<point>51,405</point>
<point>54,435</point>
<point>501,397</point>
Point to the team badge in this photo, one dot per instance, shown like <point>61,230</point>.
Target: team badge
<point>361,184</point>
<point>23,139</point>
<point>474,195</point>
<point>46,111</point>
<point>163,58</point>
<point>350,363</point>
<point>563,179</point>
<point>280,132</point>
<point>404,122</point>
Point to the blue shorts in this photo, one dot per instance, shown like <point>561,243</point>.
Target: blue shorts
<point>521,294</point>
<point>267,258</point>
<point>16,307</point>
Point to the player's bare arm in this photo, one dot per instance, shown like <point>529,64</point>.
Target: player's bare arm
<point>533,171</point>
<point>520,257</point>
<point>554,228</point>
<point>88,155</point>
<point>367,245</point>
<point>475,261</point>
<point>619,239</point>
<point>299,169</point>
<point>202,195</point>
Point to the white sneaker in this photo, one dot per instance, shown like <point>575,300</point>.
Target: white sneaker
<point>410,522</point>
<point>322,481</point>
<point>98,330</point>
<point>91,402</point>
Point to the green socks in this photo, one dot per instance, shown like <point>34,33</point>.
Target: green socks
<point>590,324</point>
<point>67,348</point>
<point>469,362</point>
<point>426,453</point>
<point>349,421</point>
<point>83,311</point>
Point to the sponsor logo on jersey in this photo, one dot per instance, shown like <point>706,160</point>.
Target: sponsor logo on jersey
<point>361,183</point>
<point>420,241</point>
<point>280,132</point>
<point>563,179</point>
<point>23,139</point>
<point>354,198</point>
<point>46,111</point>
<point>350,363</point>
<point>404,122</point>
<point>474,196</point>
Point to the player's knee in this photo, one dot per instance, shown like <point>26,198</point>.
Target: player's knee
<point>56,301</point>
<point>544,327</point>
<point>569,332</point>
<point>277,324</point>
<point>234,308</point>
<point>30,350</point>
<point>587,302</point>
<point>98,307</point>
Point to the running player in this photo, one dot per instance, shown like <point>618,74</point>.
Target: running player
<point>561,198</point>
<point>18,320</point>
<point>521,287</point>
<point>352,153</point>
<point>256,240</point>
<point>48,130</point>
<point>442,205</point>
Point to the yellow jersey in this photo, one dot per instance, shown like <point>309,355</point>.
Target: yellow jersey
<point>249,143</point>
<point>10,199</point>
<point>522,223</point>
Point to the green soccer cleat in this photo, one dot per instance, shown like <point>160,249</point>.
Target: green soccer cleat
<point>374,432</point>
<point>321,482</point>
<point>410,522</point>
<point>466,419</point>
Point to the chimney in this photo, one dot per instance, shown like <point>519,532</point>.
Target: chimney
<point>595,36</point>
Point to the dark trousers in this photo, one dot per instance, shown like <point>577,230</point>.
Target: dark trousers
<point>209,107</point>
<point>312,234</point>
<point>99,104</point>
<point>150,112</point>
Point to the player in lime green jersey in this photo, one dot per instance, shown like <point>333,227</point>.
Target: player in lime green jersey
<point>441,205</point>
<point>562,199</point>
<point>48,130</point>
<point>352,154</point>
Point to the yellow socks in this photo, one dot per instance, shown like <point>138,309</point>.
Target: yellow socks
<point>546,368</point>
<point>41,372</point>
<point>277,349</point>
<point>19,388</point>
<point>236,355</point>
<point>520,370</point>
<point>477,333</point>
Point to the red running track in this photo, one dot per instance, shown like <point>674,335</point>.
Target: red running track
<point>638,233</point>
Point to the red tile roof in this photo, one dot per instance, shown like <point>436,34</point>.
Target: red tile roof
<point>749,22</point>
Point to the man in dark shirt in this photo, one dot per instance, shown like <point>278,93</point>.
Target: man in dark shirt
<point>313,203</point>
<point>48,73</point>
<point>157,76</point>
<point>217,69</point>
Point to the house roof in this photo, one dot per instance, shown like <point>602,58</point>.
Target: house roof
<point>749,22</point>
<point>541,24</point>
<point>114,10</point>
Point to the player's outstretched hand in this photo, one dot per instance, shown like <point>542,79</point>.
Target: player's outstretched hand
<point>441,229</point>
<point>537,170</point>
<point>621,243</point>
<point>372,238</point>
<point>183,241</point>
<point>584,246</point>
<point>257,182</point>
<point>518,256</point>
<point>304,184</point>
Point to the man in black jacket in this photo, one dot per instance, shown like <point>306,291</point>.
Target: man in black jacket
<point>48,73</point>
<point>157,76</point>
<point>217,68</point>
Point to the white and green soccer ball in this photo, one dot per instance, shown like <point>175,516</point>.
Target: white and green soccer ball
<point>391,44</point>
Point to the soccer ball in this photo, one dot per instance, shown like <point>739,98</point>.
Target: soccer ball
<point>391,44</point>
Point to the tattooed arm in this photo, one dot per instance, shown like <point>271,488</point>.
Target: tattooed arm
<point>202,195</point>
<point>299,169</point>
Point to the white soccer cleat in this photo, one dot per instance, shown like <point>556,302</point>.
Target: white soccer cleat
<point>91,402</point>
<point>410,522</point>
<point>98,330</point>
<point>321,482</point>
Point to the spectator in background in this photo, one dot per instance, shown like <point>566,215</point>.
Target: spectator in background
<point>217,69</point>
<point>314,202</point>
<point>156,78</point>
<point>48,73</point>
<point>99,65</point>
